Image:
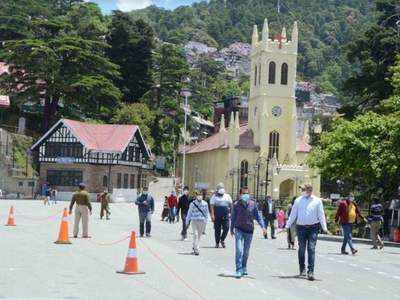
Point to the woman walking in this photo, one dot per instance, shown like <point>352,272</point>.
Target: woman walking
<point>291,232</point>
<point>197,216</point>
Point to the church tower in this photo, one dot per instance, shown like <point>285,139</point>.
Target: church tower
<point>272,105</point>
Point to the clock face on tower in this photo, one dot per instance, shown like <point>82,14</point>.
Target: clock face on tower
<point>276,111</point>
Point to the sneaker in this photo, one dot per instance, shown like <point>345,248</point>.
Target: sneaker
<point>141,235</point>
<point>223,244</point>
<point>381,247</point>
<point>148,235</point>
<point>302,273</point>
<point>374,247</point>
<point>244,272</point>
<point>86,237</point>
<point>197,253</point>
<point>345,253</point>
<point>274,237</point>
<point>217,245</point>
<point>310,276</point>
<point>266,236</point>
<point>354,251</point>
<point>238,274</point>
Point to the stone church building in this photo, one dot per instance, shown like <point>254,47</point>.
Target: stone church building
<point>267,154</point>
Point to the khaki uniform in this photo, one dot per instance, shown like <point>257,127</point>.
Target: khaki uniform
<point>82,209</point>
<point>104,199</point>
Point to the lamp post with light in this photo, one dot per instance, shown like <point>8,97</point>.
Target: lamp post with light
<point>185,93</point>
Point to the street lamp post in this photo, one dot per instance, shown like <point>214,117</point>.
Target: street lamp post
<point>186,93</point>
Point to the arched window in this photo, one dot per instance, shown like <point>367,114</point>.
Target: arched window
<point>255,76</point>
<point>244,170</point>
<point>284,73</point>
<point>271,72</point>
<point>273,144</point>
<point>259,74</point>
<point>105,181</point>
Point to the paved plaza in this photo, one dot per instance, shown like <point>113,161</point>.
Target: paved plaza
<point>33,267</point>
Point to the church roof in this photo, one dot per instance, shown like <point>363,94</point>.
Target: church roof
<point>246,141</point>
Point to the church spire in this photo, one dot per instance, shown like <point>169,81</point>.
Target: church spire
<point>237,125</point>
<point>284,34</point>
<point>254,39</point>
<point>265,31</point>
<point>232,121</point>
<point>222,123</point>
<point>295,33</point>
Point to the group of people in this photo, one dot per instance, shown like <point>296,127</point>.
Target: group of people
<point>48,194</point>
<point>305,218</point>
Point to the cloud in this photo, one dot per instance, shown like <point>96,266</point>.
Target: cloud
<point>128,5</point>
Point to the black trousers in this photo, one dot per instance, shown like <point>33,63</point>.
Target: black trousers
<point>144,220</point>
<point>221,228</point>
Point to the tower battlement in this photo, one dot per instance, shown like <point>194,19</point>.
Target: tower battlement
<point>279,43</point>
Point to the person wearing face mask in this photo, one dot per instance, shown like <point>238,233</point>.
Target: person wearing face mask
<point>145,203</point>
<point>308,213</point>
<point>221,206</point>
<point>348,214</point>
<point>197,215</point>
<point>244,213</point>
<point>183,208</point>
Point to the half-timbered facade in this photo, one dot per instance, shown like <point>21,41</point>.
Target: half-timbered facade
<point>103,156</point>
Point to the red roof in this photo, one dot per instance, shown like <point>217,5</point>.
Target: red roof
<point>302,146</point>
<point>246,140</point>
<point>99,137</point>
<point>102,137</point>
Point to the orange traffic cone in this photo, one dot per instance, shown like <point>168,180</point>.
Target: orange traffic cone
<point>131,263</point>
<point>63,235</point>
<point>10,221</point>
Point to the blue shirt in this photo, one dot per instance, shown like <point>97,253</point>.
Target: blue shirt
<point>145,203</point>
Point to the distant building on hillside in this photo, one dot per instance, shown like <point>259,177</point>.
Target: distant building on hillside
<point>102,156</point>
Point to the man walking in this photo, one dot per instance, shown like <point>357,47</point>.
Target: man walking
<point>244,213</point>
<point>183,208</point>
<point>375,220</point>
<point>82,210</point>
<point>347,215</point>
<point>268,210</point>
<point>104,201</point>
<point>198,216</point>
<point>221,206</point>
<point>145,203</point>
<point>308,212</point>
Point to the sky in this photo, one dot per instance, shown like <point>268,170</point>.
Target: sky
<point>128,5</point>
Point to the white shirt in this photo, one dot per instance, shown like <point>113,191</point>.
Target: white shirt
<point>270,207</point>
<point>224,200</point>
<point>307,211</point>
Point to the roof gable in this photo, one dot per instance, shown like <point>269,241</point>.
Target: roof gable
<point>99,137</point>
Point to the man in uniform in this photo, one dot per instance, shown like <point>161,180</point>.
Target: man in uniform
<point>104,200</point>
<point>82,210</point>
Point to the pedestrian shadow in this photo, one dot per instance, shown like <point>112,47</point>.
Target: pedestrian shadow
<point>293,277</point>
<point>225,275</point>
<point>210,247</point>
<point>287,249</point>
<point>185,253</point>
<point>338,253</point>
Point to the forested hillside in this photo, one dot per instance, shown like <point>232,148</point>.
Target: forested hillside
<point>325,27</point>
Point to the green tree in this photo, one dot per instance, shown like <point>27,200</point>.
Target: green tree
<point>138,114</point>
<point>58,66</point>
<point>132,43</point>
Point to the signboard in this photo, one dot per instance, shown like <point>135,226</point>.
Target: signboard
<point>65,160</point>
<point>334,196</point>
<point>4,101</point>
<point>160,163</point>
<point>201,185</point>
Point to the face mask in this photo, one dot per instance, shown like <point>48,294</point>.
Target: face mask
<point>221,191</point>
<point>199,198</point>
<point>245,198</point>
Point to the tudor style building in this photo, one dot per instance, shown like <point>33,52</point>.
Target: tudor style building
<point>103,156</point>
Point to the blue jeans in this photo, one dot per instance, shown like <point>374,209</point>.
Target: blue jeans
<point>243,242</point>
<point>347,237</point>
<point>307,236</point>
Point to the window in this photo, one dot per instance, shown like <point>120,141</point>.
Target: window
<point>31,183</point>
<point>131,150</point>
<point>20,184</point>
<point>255,76</point>
<point>55,149</point>
<point>284,73</point>
<point>144,180</point>
<point>119,180</point>
<point>244,170</point>
<point>137,154</point>
<point>105,181</point>
<point>273,144</point>
<point>64,177</point>
<point>259,74</point>
<point>271,72</point>
<point>132,183</point>
<point>126,177</point>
